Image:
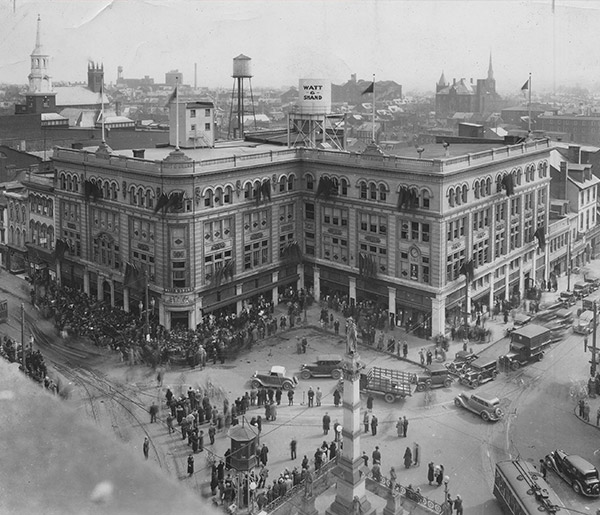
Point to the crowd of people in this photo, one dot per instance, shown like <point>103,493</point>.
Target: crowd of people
<point>200,415</point>
<point>216,338</point>
<point>35,366</point>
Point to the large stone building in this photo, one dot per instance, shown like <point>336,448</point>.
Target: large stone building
<point>578,129</point>
<point>216,227</point>
<point>466,96</point>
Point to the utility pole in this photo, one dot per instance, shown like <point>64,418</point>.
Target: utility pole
<point>569,259</point>
<point>593,366</point>
<point>147,311</point>
<point>23,337</point>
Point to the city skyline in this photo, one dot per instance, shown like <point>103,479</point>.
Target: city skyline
<point>405,41</point>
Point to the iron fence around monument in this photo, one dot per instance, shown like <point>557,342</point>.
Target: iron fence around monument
<point>410,494</point>
<point>300,487</point>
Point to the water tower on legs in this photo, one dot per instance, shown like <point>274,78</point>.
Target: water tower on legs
<point>242,73</point>
<point>311,122</point>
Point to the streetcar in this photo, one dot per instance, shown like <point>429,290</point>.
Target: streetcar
<point>521,490</point>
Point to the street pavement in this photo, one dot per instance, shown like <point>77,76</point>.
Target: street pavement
<point>458,442</point>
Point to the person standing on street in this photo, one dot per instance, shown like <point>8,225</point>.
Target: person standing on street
<point>376,456</point>
<point>370,402</point>
<point>374,423</point>
<point>318,395</point>
<point>430,472</point>
<point>404,426</point>
<point>337,397</point>
<point>407,458</point>
<point>326,423</point>
<point>146,447</point>
<point>311,396</point>
<point>400,427</point>
<point>190,465</point>
<point>458,506</point>
<point>153,412</point>
<point>293,445</point>
<point>366,421</point>
<point>290,396</point>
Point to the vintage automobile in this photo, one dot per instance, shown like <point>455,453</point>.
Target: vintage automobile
<point>567,298</point>
<point>577,472</point>
<point>275,378</point>
<point>582,289</point>
<point>433,376</point>
<point>326,365</point>
<point>479,371</point>
<point>487,409</point>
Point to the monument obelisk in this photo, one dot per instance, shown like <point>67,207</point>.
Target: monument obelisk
<point>350,497</point>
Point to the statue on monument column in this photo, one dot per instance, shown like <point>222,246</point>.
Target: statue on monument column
<point>351,337</point>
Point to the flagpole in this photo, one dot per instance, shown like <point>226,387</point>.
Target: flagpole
<point>102,108</point>
<point>373,116</point>
<point>177,115</point>
<point>529,108</point>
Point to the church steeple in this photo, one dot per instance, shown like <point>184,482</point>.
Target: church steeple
<point>442,81</point>
<point>490,69</point>
<point>39,78</point>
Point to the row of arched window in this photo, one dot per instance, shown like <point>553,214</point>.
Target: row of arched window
<point>41,205</point>
<point>482,187</point>
<point>17,236</point>
<point>17,213</point>
<point>42,234</point>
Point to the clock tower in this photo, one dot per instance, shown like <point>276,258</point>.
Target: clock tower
<point>40,98</point>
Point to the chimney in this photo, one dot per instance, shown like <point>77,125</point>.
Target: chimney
<point>454,82</point>
<point>574,154</point>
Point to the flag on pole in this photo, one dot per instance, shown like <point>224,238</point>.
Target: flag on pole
<point>525,88</point>
<point>370,88</point>
<point>173,96</point>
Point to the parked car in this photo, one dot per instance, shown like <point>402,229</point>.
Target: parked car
<point>275,378</point>
<point>593,281</point>
<point>521,319</point>
<point>487,409</point>
<point>479,371</point>
<point>567,298</point>
<point>576,471</point>
<point>326,365</point>
<point>433,376</point>
<point>581,289</point>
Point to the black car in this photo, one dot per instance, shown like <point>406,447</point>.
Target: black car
<point>433,376</point>
<point>479,371</point>
<point>326,365</point>
<point>577,472</point>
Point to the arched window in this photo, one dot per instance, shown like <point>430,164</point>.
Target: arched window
<point>425,199</point>
<point>451,197</point>
<point>227,195</point>
<point>373,191</point>
<point>76,183</point>
<point>290,183</point>
<point>70,182</point>
<point>363,189</point>
<point>310,182</point>
<point>382,192</point>
<point>457,196</point>
<point>113,191</point>
<point>106,190</point>
<point>518,176</point>
<point>499,182</point>
<point>149,198</point>
<point>248,193</point>
<point>141,197</point>
<point>488,186</point>
<point>476,189</point>
<point>344,187</point>
<point>208,198</point>
<point>132,196</point>
<point>63,181</point>
<point>282,184</point>
<point>465,190</point>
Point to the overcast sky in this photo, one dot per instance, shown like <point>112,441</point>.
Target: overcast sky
<point>410,42</point>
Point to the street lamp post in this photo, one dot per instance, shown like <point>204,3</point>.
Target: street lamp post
<point>447,507</point>
<point>147,315</point>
